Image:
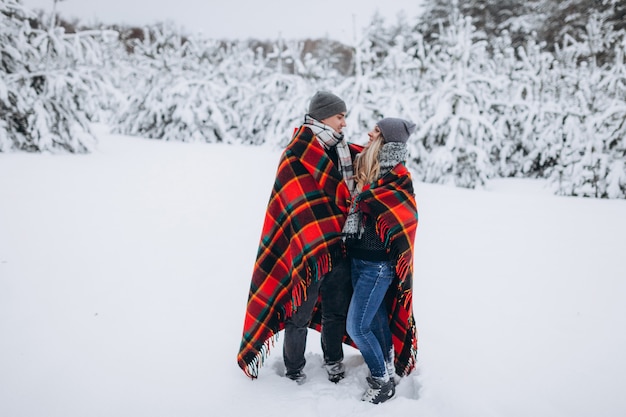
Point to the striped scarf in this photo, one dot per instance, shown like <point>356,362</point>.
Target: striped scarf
<point>391,202</point>
<point>300,242</point>
<point>328,138</point>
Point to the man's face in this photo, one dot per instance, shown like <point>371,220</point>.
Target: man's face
<point>337,121</point>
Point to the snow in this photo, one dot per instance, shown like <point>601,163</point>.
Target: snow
<point>124,276</point>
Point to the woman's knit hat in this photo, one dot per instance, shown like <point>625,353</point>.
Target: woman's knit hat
<point>325,104</point>
<point>396,130</point>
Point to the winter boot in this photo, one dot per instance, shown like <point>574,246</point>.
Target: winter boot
<point>336,371</point>
<point>297,376</point>
<point>379,391</point>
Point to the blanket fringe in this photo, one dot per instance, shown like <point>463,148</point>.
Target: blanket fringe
<point>383,230</point>
<point>314,272</point>
<point>409,361</point>
<point>252,369</point>
<point>410,366</point>
<point>315,269</point>
<point>403,266</point>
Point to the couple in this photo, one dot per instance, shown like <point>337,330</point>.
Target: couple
<point>336,252</point>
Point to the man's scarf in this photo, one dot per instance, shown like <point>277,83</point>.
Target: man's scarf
<point>300,242</point>
<point>329,138</point>
<point>391,202</point>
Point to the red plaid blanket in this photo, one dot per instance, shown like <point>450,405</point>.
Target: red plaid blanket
<point>300,242</point>
<point>391,202</point>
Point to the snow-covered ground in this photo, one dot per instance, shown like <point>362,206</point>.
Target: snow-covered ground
<point>124,276</point>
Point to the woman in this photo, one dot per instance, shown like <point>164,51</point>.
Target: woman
<point>379,234</point>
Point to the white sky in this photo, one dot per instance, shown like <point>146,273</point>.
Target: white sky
<point>240,18</point>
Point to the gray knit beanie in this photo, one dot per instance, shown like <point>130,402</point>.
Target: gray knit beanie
<point>396,130</point>
<point>325,104</point>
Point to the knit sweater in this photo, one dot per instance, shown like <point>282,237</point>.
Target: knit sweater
<point>369,245</point>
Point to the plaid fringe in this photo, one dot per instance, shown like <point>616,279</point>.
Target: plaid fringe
<point>314,272</point>
<point>251,368</point>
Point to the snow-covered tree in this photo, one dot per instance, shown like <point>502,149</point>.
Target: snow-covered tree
<point>593,165</point>
<point>486,102</point>
<point>176,92</point>
<point>455,143</point>
<point>47,81</point>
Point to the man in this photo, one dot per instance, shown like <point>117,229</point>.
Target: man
<point>301,258</point>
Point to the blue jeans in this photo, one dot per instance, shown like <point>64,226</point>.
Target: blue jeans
<point>368,323</point>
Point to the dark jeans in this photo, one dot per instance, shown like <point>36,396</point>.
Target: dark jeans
<point>336,291</point>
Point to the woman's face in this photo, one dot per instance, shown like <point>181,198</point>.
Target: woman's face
<point>374,134</point>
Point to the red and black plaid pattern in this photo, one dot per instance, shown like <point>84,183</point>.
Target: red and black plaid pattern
<point>300,241</point>
<point>391,201</point>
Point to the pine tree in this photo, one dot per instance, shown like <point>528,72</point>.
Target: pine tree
<point>455,143</point>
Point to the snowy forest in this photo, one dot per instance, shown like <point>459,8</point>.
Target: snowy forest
<point>527,89</point>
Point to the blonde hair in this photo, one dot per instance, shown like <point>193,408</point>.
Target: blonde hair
<point>367,164</point>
